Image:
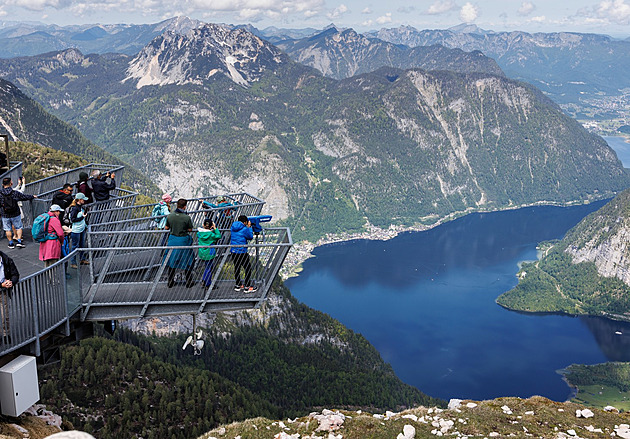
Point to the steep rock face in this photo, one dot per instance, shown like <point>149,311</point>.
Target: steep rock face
<point>342,54</point>
<point>604,239</point>
<point>192,58</point>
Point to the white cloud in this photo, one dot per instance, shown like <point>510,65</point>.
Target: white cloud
<point>613,11</point>
<point>526,8</point>
<point>367,23</point>
<point>538,19</point>
<point>366,11</point>
<point>441,6</point>
<point>468,13</point>
<point>387,18</point>
<point>37,5</point>
<point>337,12</point>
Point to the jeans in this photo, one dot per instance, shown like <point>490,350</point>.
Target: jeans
<point>207,273</point>
<point>78,241</point>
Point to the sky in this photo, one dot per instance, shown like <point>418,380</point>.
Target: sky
<point>611,17</point>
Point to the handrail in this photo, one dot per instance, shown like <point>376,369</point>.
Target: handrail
<point>40,303</point>
<point>57,181</point>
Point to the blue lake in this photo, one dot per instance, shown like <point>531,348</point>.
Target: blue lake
<point>426,301</point>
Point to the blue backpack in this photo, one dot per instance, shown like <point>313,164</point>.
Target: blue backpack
<point>40,229</point>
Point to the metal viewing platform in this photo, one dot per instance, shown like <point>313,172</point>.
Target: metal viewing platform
<point>127,272</point>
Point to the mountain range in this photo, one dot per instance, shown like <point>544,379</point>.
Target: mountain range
<point>219,109</point>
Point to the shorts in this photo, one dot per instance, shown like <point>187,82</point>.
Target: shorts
<point>16,222</point>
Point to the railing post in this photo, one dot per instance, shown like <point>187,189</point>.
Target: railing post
<point>35,318</point>
<point>155,282</point>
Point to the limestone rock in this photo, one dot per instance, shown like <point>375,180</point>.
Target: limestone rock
<point>454,404</point>
<point>329,420</point>
<point>409,432</point>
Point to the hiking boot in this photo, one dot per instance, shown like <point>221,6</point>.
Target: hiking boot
<point>85,262</point>
<point>238,288</point>
<point>11,244</point>
<point>251,289</point>
<point>19,244</point>
<point>74,266</point>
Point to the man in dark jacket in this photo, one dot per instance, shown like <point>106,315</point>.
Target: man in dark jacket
<point>101,187</point>
<point>11,211</point>
<point>240,233</point>
<point>9,276</point>
<point>63,198</point>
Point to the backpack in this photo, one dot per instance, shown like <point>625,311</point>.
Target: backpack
<point>9,205</point>
<point>40,229</point>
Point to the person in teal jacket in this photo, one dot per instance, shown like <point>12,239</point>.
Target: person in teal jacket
<point>207,236</point>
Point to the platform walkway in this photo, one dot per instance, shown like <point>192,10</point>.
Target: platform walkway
<point>127,274</point>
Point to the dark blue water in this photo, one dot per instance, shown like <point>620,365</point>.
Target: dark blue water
<point>426,301</point>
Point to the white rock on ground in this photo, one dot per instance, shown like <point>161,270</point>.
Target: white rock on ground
<point>471,405</point>
<point>586,413</point>
<point>454,404</point>
<point>409,432</point>
<point>610,408</point>
<point>329,420</point>
<point>283,435</point>
<point>623,431</point>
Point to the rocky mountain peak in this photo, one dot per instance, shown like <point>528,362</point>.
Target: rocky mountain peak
<point>197,56</point>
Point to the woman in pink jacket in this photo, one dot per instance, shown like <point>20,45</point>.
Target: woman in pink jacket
<point>50,250</point>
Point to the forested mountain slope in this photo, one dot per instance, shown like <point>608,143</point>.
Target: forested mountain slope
<point>25,120</point>
<point>588,272</point>
<point>282,361</point>
<point>394,146</point>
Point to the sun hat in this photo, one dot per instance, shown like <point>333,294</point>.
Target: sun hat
<point>167,198</point>
<point>55,208</point>
<point>80,196</point>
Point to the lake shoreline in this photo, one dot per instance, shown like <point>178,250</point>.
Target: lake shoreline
<point>303,251</point>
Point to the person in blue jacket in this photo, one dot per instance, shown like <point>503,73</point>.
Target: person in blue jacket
<point>241,232</point>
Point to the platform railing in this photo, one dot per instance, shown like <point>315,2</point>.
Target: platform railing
<point>133,275</point>
<point>14,172</point>
<point>41,303</point>
<point>119,198</point>
<point>50,184</point>
<point>139,217</point>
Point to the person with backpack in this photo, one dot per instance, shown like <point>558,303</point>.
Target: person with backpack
<point>79,228</point>
<point>51,242</point>
<point>225,214</point>
<point>160,210</point>
<point>11,217</point>
<point>207,236</point>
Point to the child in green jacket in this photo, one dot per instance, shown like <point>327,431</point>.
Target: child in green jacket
<point>207,236</point>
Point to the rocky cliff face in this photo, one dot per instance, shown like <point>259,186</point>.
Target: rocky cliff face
<point>173,58</point>
<point>604,239</point>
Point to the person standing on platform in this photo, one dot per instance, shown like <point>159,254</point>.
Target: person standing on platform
<point>79,228</point>
<point>63,198</point>
<point>50,250</point>
<point>9,276</point>
<point>179,225</point>
<point>11,217</point>
<point>84,185</point>
<point>241,233</point>
<point>207,236</point>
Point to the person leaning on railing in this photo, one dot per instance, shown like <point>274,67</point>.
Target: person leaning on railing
<point>9,276</point>
<point>240,234</point>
